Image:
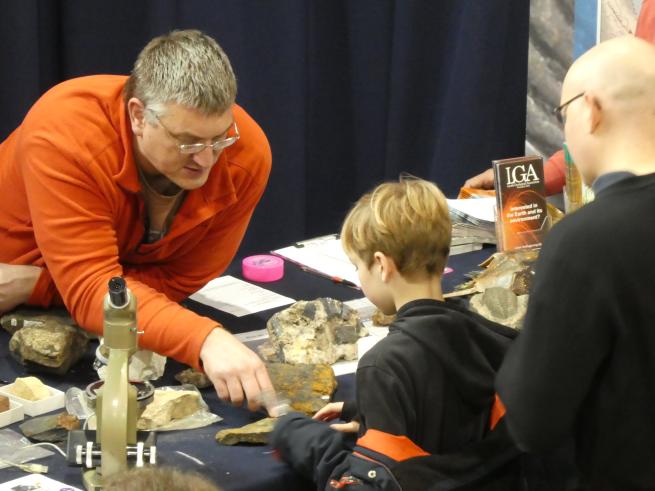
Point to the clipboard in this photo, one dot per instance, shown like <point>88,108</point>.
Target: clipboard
<point>323,256</point>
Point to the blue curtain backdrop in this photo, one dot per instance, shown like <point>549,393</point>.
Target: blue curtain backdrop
<point>349,92</point>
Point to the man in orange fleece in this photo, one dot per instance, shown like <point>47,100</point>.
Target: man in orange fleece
<point>153,177</point>
<point>555,166</point>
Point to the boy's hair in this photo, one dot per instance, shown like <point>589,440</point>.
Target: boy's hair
<point>158,479</point>
<point>186,67</point>
<point>406,220</point>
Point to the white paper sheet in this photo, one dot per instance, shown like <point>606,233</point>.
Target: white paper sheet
<point>36,481</point>
<point>324,256</point>
<point>237,297</point>
<point>478,208</point>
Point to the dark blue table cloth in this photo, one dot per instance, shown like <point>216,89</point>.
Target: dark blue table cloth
<point>242,467</point>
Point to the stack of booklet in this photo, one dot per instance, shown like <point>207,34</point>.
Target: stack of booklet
<point>473,222</point>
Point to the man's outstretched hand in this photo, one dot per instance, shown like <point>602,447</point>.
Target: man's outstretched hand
<point>236,371</point>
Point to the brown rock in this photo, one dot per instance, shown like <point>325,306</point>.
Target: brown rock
<point>44,342</point>
<point>256,432</point>
<point>68,421</point>
<point>4,404</point>
<point>193,377</point>
<point>381,319</point>
<point>319,331</point>
<point>307,387</point>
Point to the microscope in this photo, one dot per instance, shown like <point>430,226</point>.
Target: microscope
<point>115,443</point>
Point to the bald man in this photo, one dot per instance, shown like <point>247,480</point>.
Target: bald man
<point>584,364</point>
<point>555,166</point>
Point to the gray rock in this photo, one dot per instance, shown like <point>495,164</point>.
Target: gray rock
<point>51,428</point>
<point>319,331</point>
<point>501,305</point>
<point>50,343</point>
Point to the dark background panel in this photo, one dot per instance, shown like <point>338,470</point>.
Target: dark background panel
<point>349,93</point>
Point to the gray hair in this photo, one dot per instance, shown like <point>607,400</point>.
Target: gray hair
<point>185,67</point>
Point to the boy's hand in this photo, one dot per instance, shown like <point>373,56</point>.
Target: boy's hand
<point>329,412</point>
<point>351,427</point>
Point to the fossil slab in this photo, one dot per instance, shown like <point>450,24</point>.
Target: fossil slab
<point>256,432</point>
<point>318,331</point>
<point>51,428</point>
<point>501,305</point>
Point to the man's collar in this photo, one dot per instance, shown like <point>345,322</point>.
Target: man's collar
<point>609,179</point>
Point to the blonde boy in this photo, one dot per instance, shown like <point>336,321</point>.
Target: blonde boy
<point>424,390</point>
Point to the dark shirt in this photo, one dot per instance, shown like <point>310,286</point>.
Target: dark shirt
<point>432,378</point>
<point>584,364</point>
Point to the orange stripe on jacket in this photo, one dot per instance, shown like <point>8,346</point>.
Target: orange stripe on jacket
<point>398,448</point>
<point>497,412</point>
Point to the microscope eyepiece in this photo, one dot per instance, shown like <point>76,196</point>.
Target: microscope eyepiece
<point>117,291</point>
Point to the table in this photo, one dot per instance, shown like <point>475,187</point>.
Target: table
<point>241,467</point>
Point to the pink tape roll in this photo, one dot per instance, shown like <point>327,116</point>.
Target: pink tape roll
<point>262,268</point>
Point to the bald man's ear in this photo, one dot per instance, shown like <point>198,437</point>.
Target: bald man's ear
<point>594,111</point>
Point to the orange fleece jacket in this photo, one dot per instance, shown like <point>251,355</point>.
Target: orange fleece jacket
<point>72,205</point>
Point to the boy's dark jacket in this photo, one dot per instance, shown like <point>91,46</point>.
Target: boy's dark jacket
<point>424,397</point>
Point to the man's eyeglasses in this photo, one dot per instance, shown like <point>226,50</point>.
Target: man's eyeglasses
<point>192,148</point>
<point>559,110</point>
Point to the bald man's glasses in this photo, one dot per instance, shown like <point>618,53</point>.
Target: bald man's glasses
<point>559,110</point>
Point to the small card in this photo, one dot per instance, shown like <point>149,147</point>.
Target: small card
<point>36,482</point>
<point>521,201</point>
<point>238,297</point>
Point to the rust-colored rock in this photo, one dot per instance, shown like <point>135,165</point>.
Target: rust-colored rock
<point>68,421</point>
<point>4,404</point>
<point>307,387</point>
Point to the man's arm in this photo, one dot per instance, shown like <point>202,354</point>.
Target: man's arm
<point>16,284</point>
<point>646,22</point>
<point>554,176</point>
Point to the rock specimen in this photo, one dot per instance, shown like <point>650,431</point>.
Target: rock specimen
<point>29,388</point>
<point>307,387</point>
<point>193,377</point>
<point>381,319</point>
<point>167,406</point>
<point>513,269</point>
<point>46,342</point>
<point>52,428</point>
<point>318,331</point>
<point>256,432</point>
<point>4,404</point>
<point>501,305</point>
